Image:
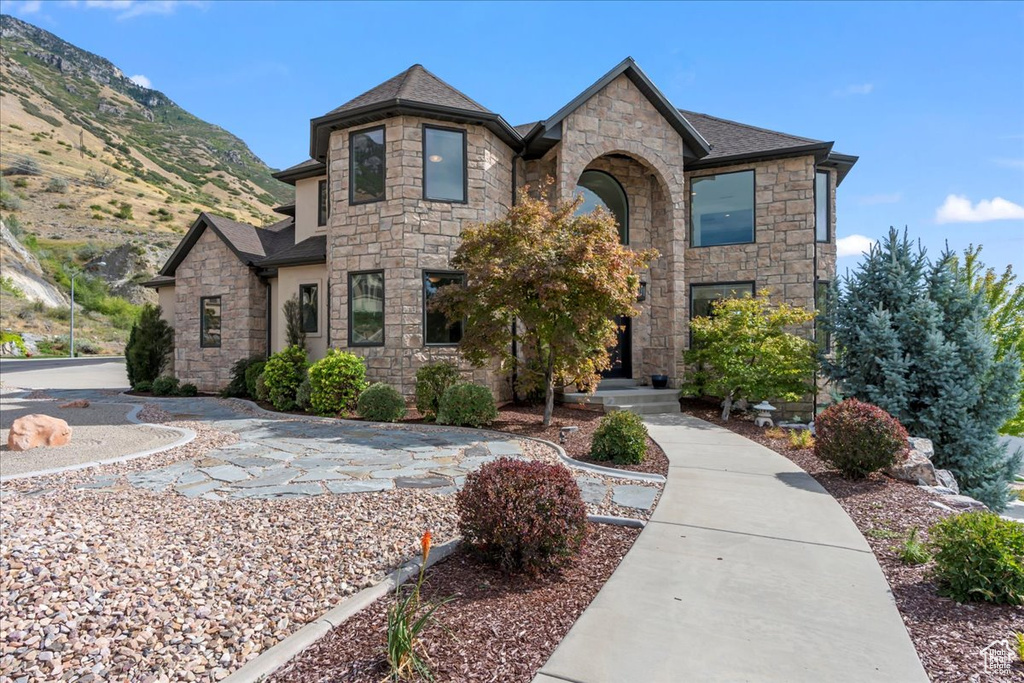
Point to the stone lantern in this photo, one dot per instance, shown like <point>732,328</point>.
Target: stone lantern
<point>764,414</point>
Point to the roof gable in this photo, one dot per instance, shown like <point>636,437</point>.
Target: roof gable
<point>247,242</point>
<point>696,146</point>
<point>415,84</point>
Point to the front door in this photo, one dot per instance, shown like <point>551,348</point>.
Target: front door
<point>621,355</point>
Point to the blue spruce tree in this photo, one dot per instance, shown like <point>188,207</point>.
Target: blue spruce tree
<point>910,337</point>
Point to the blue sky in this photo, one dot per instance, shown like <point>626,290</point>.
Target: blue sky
<point>930,96</point>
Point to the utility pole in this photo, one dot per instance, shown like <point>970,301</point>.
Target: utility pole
<point>75,273</point>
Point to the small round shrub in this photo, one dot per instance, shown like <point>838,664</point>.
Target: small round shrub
<point>262,392</point>
<point>252,372</point>
<point>143,385</point>
<point>283,374</point>
<point>381,403</point>
<point>621,437</point>
<point>302,394</point>
<point>188,389</point>
<point>858,438</point>
<point>335,382</point>
<point>165,386</point>
<point>523,515</point>
<point>238,387</point>
<point>467,405</point>
<point>431,382</point>
<point>979,556</point>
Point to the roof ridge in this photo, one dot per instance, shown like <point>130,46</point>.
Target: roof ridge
<point>443,82</point>
<point>747,125</point>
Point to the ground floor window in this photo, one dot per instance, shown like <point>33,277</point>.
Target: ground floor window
<point>436,329</point>
<point>703,297</point>
<point>309,308</point>
<point>366,308</point>
<point>209,321</point>
<point>823,337</point>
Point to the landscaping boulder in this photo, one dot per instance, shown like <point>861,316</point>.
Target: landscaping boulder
<point>958,504</point>
<point>917,467</point>
<point>77,403</point>
<point>947,479</point>
<point>31,431</point>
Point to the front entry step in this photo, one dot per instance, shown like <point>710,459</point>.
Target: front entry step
<point>622,396</point>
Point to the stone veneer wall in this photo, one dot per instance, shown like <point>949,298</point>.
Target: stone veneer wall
<point>212,269</point>
<point>405,234</point>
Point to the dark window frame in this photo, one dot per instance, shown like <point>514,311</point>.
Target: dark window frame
<point>316,312</point>
<point>828,207</point>
<point>352,162</point>
<point>423,280</point>
<point>753,187</point>
<point>383,294</point>
<point>736,283</point>
<point>323,209</point>
<point>202,322</point>
<point>821,310</point>
<point>465,162</point>
<point>625,196</point>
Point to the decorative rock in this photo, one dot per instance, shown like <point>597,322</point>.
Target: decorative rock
<point>924,446</point>
<point>947,480</point>
<point>30,431</point>
<point>941,490</point>
<point>359,486</point>
<point>593,489</point>
<point>633,496</point>
<point>965,503</point>
<point>422,482</point>
<point>80,403</point>
<point>916,467</point>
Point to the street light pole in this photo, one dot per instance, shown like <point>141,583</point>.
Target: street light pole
<point>75,273</point>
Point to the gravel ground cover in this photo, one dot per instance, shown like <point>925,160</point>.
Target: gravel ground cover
<point>949,636</point>
<point>100,431</point>
<point>499,627</point>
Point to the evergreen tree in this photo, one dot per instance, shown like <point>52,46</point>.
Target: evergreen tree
<point>911,337</point>
<point>149,348</point>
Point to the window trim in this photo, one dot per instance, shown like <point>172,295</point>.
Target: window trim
<point>318,331</point>
<point>465,162</point>
<point>625,196</point>
<point>323,208</point>
<point>828,207</point>
<point>736,283</point>
<point>753,187</point>
<point>352,163</point>
<point>423,285</point>
<point>383,287</point>
<point>202,316</point>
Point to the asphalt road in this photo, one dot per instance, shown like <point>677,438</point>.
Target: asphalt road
<point>106,372</point>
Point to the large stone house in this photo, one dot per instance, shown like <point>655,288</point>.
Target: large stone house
<point>395,173</point>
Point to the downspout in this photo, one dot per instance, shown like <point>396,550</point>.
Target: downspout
<point>269,311</point>
<point>515,350</point>
<point>814,280</point>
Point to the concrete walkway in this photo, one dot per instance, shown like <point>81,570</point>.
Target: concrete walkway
<point>747,571</point>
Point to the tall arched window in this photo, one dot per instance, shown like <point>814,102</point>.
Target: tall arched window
<point>601,189</point>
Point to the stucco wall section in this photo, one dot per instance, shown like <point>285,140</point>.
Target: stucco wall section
<point>286,286</point>
<point>405,234</point>
<point>306,206</point>
<point>211,269</point>
<point>167,301</point>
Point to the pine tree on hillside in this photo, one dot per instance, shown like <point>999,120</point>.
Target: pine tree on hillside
<point>911,337</point>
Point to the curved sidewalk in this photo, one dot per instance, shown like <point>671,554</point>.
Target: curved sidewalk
<point>748,571</point>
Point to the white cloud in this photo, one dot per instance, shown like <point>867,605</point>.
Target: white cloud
<point>134,8</point>
<point>854,89</point>
<point>28,7</point>
<point>958,209</point>
<point>854,245</point>
<point>875,199</point>
<point>139,79</point>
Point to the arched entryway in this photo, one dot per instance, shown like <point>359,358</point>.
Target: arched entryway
<point>601,189</point>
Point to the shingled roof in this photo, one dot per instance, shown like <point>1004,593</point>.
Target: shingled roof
<point>304,169</point>
<point>310,250</point>
<point>415,84</point>
<point>249,243</point>
<point>731,138</point>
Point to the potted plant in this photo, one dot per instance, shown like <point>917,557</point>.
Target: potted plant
<point>659,381</point>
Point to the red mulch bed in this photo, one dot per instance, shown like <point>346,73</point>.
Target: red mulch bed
<point>948,635</point>
<point>499,627</point>
<point>527,420</point>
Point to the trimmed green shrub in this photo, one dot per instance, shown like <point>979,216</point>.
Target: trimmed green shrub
<point>188,389</point>
<point>523,515</point>
<point>283,374</point>
<point>979,556</point>
<point>238,387</point>
<point>467,405</point>
<point>432,381</point>
<point>302,394</point>
<point>621,437</point>
<point>144,385</point>
<point>381,403</point>
<point>260,387</point>
<point>858,438</point>
<point>149,346</point>
<point>252,373</point>
<point>165,386</point>
<point>335,382</point>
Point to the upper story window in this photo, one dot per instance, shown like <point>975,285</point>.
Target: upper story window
<point>436,329</point>
<point>601,189</point>
<point>321,203</point>
<point>821,212</point>
<point>309,308</point>
<point>722,209</point>
<point>366,166</point>
<point>209,322</point>
<point>366,308</point>
<point>444,164</point>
